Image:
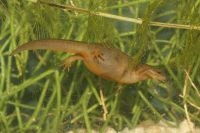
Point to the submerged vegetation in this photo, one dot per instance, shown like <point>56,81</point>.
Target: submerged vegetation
<point>37,95</point>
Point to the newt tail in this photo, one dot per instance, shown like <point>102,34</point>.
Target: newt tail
<point>109,63</point>
<point>53,44</point>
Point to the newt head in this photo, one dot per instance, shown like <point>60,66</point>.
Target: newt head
<point>144,72</point>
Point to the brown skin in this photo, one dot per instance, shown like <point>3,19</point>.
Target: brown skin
<point>109,63</point>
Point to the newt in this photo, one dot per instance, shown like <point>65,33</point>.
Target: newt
<point>108,63</point>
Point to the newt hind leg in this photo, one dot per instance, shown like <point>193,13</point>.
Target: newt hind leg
<point>97,55</point>
<point>68,61</point>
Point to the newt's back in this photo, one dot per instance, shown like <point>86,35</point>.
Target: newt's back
<point>109,63</point>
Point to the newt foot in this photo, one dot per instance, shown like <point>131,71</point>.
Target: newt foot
<point>68,61</point>
<point>97,55</point>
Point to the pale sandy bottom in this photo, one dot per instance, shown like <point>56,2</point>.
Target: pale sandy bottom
<point>150,127</point>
